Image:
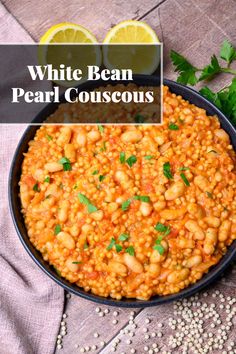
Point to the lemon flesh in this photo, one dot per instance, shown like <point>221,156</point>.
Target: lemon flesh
<point>132,45</point>
<point>71,45</point>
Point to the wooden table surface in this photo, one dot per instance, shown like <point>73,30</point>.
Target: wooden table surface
<point>196,28</point>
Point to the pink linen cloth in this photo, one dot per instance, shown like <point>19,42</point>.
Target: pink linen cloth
<point>31,304</point>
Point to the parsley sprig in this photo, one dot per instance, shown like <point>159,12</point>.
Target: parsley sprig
<point>84,200</point>
<point>188,74</point>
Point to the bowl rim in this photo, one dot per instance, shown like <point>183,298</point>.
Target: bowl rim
<point>204,282</point>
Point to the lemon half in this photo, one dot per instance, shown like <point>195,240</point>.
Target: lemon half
<point>76,57</point>
<point>132,45</point>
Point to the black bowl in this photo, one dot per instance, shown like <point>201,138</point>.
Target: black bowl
<point>15,172</point>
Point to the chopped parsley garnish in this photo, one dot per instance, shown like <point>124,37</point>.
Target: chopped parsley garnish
<point>111,244</point>
<point>167,170</point>
<point>184,178</point>
<point>47,179</point>
<point>122,157</point>
<point>76,262</point>
<point>100,128</point>
<point>142,198</point>
<point>210,195</point>
<point>75,186</point>
<point>36,187</point>
<point>125,205</point>
<point>139,118</point>
<point>184,168</point>
<point>86,246</point>
<point>173,126</point>
<point>103,148</point>
<point>162,228</point>
<point>130,250</point>
<point>57,229</point>
<point>95,172</point>
<point>131,160</point>
<point>118,248</point>
<point>123,237</point>
<point>49,138</point>
<point>66,163</point>
<point>148,157</point>
<point>57,271</point>
<point>101,178</point>
<point>84,200</point>
<point>159,248</point>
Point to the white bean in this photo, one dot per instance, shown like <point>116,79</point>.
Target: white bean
<point>132,263</point>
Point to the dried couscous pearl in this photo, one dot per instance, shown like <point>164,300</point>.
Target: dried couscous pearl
<point>147,320</point>
<point>145,329</point>
<point>146,349</point>
<point>115,313</point>
<point>114,322</point>
<point>102,343</point>
<point>96,335</point>
<point>97,309</point>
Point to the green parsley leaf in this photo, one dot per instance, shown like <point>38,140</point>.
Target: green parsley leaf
<point>61,185</point>
<point>210,195</point>
<point>184,168</point>
<point>139,118</point>
<point>131,160</point>
<point>76,262</point>
<point>227,52</point>
<point>84,200</point>
<point>159,248</point>
<point>187,72</point>
<point>148,157</point>
<point>95,172</point>
<point>173,126</point>
<point>215,152</point>
<point>103,148</point>
<point>118,248</point>
<point>86,246</point>
<point>184,178</point>
<point>125,205</point>
<point>100,128</point>
<point>130,250</point>
<point>122,157</point>
<point>162,228</point>
<point>57,271</point>
<point>47,179</point>
<point>225,99</point>
<point>123,237</point>
<point>48,196</point>
<point>101,178</point>
<point>142,198</point>
<point>91,208</point>
<point>210,70</point>
<point>75,186</point>
<point>66,163</point>
<point>111,244</point>
<point>57,229</point>
<point>36,187</point>
<point>48,137</point>
<point>167,170</point>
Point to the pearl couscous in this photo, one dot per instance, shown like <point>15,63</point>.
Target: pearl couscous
<point>132,211</point>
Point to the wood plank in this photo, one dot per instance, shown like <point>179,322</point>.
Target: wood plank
<point>83,321</point>
<point>11,30</point>
<point>196,29</point>
<point>97,16</point>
